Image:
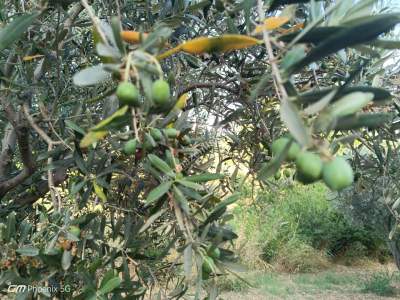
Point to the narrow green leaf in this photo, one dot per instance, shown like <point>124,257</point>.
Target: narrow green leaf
<point>190,184</point>
<point>220,209</point>
<point>116,28</point>
<point>291,117</point>
<point>320,104</point>
<point>158,192</point>
<point>350,104</point>
<point>13,30</point>
<point>109,275</point>
<point>368,120</point>
<point>313,36</point>
<point>181,199</point>
<point>74,127</point>
<point>28,251</point>
<point>380,95</point>
<point>114,117</point>
<point>386,44</point>
<point>161,165</point>
<point>359,31</point>
<point>111,285</point>
<point>205,177</point>
<point>274,4</point>
<point>293,56</point>
<point>11,226</point>
<point>92,137</point>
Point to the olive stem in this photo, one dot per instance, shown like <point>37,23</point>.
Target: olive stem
<point>134,124</point>
<point>127,67</point>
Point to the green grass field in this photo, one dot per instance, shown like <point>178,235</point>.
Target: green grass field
<point>372,281</point>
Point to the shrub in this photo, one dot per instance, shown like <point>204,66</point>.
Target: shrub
<point>299,225</point>
<point>372,203</point>
<point>298,256</point>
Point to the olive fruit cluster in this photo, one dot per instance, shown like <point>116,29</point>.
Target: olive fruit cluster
<point>208,266</point>
<point>336,173</point>
<point>128,94</point>
<point>150,140</point>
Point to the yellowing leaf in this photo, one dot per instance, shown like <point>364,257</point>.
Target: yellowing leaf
<point>119,113</point>
<point>271,24</point>
<point>32,57</point>
<point>133,37</point>
<point>223,43</point>
<point>92,137</point>
<point>182,100</point>
<point>99,191</point>
<point>98,132</point>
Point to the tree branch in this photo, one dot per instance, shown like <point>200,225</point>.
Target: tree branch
<point>8,147</point>
<point>41,189</point>
<point>22,137</point>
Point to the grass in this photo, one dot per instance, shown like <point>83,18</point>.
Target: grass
<point>381,284</point>
<point>343,284</point>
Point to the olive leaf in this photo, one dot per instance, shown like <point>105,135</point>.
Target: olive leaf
<point>291,117</point>
<point>368,120</point>
<point>356,32</point>
<point>276,3</point>
<point>13,30</point>
<point>223,43</point>
<point>91,76</point>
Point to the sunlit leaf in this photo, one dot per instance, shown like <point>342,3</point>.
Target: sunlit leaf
<point>219,44</point>
<point>111,119</point>
<point>350,104</point>
<point>133,37</point>
<point>99,191</point>
<point>92,137</point>
<point>272,23</point>
<point>91,76</point>
<point>32,57</point>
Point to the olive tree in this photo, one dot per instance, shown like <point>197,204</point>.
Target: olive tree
<point>117,118</point>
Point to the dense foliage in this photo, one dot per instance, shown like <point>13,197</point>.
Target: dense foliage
<point>298,230</point>
<point>121,121</point>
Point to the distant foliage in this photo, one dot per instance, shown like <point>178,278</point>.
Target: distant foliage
<point>373,202</point>
<point>299,230</point>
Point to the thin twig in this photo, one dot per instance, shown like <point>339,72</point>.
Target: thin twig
<point>275,70</point>
<point>95,21</point>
